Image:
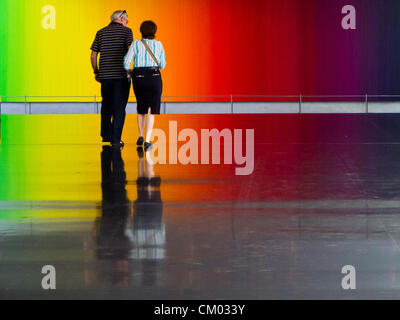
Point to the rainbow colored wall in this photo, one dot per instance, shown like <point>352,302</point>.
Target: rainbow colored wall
<point>252,47</point>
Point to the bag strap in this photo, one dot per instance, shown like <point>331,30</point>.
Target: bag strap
<point>150,52</point>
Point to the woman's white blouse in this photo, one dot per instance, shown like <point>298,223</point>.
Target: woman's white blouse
<point>142,58</point>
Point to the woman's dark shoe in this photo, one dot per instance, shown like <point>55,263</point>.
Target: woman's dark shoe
<point>147,146</point>
<point>140,141</point>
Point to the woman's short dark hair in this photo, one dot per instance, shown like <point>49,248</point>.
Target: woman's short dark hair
<point>148,30</point>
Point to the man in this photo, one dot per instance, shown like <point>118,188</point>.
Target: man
<point>112,42</point>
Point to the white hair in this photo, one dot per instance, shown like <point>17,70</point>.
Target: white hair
<point>118,15</point>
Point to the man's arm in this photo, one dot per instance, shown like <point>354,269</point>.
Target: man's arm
<point>93,59</point>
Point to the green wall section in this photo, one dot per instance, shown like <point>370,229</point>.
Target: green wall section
<point>3,47</point>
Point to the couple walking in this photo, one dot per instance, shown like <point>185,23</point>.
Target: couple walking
<point>117,50</point>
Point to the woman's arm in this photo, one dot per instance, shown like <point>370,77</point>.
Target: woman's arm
<point>129,57</point>
<point>163,63</point>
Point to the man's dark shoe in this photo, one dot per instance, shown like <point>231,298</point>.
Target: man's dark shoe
<point>140,141</point>
<point>106,139</point>
<point>118,145</point>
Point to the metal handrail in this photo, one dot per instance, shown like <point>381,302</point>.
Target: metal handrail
<point>225,96</point>
<point>300,99</point>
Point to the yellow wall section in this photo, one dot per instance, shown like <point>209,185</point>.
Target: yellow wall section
<point>57,62</point>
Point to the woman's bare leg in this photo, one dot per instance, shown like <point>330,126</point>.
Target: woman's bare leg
<point>141,120</point>
<point>149,125</point>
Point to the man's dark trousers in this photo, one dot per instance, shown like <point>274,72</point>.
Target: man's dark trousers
<point>115,93</point>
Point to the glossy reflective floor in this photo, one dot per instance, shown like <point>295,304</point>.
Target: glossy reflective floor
<point>324,193</point>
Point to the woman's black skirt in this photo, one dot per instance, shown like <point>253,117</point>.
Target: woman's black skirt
<point>147,85</point>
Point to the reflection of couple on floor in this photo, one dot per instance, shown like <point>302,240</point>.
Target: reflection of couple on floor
<point>119,237</point>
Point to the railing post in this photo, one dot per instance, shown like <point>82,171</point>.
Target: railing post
<point>25,104</point>
<point>95,106</point>
<point>366,103</point>
<point>300,100</point>
<point>164,103</point>
<point>231,103</point>
<point>28,104</point>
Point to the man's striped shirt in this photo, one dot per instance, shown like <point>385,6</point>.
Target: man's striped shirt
<point>112,42</point>
<point>142,57</point>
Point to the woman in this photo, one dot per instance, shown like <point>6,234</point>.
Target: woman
<point>149,58</point>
